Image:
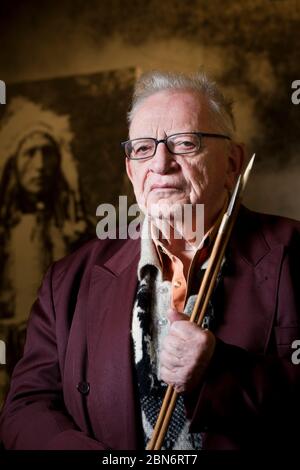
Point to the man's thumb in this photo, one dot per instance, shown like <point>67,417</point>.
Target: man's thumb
<point>174,315</point>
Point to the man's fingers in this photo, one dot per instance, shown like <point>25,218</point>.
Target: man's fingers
<point>184,330</point>
<point>171,378</point>
<point>170,360</point>
<point>174,344</point>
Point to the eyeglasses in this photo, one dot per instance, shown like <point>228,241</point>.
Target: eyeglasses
<point>182,143</point>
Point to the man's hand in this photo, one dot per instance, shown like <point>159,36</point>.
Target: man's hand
<point>186,353</point>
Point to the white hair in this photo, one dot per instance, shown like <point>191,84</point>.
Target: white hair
<point>155,81</point>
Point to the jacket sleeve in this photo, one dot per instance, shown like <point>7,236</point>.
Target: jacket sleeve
<point>250,397</point>
<point>34,416</point>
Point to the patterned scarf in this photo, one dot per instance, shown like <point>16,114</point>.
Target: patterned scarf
<point>151,389</point>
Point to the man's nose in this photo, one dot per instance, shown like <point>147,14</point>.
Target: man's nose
<point>38,160</point>
<point>162,160</point>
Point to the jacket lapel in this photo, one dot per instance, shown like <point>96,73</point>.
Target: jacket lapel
<point>250,285</point>
<point>112,292</point>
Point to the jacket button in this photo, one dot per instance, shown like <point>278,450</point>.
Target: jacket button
<point>83,388</point>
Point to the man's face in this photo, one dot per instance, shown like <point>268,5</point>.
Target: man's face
<point>204,177</point>
<point>36,163</point>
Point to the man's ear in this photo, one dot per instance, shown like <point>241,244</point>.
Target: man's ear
<point>236,160</point>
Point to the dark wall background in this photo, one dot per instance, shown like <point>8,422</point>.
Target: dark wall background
<point>252,47</point>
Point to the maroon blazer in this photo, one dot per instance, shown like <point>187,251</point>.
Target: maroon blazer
<point>75,387</point>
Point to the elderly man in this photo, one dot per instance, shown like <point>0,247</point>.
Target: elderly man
<point>108,331</point>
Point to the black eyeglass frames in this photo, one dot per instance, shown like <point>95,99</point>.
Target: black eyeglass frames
<point>181,143</point>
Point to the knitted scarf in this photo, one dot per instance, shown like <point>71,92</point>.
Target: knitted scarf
<point>151,389</point>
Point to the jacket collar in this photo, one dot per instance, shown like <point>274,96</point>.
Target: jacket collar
<point>123,254</point>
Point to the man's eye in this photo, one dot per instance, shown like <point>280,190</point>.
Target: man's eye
<point>141,149</point>
<point>185,144</point>
<point>30,153</point>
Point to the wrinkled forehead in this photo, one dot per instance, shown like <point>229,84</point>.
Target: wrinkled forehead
<point>171,111</point>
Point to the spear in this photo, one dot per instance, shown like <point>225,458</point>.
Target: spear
<point>204,294</point>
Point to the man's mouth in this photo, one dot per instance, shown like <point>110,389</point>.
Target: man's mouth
<point>165,186</point>
<point>37,180</point>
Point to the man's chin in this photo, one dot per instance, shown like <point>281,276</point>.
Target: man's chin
<point>164,209</point>
<point>165,199</point>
